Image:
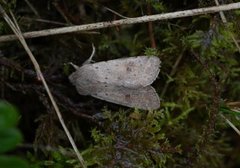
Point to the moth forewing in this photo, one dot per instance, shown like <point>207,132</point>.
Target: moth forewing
<point>144,98</point>
<point>129,72</point>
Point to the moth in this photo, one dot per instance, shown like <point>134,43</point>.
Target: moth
<point>124,81</point>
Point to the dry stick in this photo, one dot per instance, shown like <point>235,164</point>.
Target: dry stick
<point>224,20</point>
<point>44,21</point>
<point>231,124</point>
<point>150,28</point>
<point>116,13</point>
<point>17,31</point>
<point>62,13</point>
<point>234,104</point>
<point>128,21</point>
<point>32,8</point>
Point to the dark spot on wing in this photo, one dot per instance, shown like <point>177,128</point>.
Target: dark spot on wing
<point>129,66</point>
<point>129,69</point>
<point>108,70</point>
<point>128,97</point>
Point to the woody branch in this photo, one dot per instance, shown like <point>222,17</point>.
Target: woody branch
<point>142,19</point>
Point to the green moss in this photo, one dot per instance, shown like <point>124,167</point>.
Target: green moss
<point>134,139</point>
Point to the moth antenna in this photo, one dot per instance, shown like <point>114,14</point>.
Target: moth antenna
<point>74,66</point>
<point>88,61</point>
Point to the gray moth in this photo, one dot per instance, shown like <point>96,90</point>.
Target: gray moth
<point>124,81</point>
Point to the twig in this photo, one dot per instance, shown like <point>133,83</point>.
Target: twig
<point>62,12</point>
<point>18,33</point>
<point>128,21</point>
<point>56,23</point>
<point>150,28</point>
<point>44,21</point>
<point>32,8</point>
<point>231,125</point>
<point>116,13</point>
<point>234,104</point>
<point>224,20</point>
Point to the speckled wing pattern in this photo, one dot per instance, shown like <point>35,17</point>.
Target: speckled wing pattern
<point>122,81</point>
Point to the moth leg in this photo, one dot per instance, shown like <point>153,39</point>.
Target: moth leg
<point>88,61</point>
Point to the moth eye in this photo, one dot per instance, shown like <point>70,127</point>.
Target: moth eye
<point>105,86</point>
<point>106,94</point>
<point>134,75</point>
<point>106,78</point>
<point>96,67</point>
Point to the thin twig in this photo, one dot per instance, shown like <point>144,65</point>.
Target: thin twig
<point>150,28</point>
<point>44,21</point>
<point>56,23</point>
<point>234,104</point>
<point>116,13</point>
<point>128,21</point>
<point>231,125</point>
<point>62,12</point>
<point>32,8</point>
<point>18,33</point>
